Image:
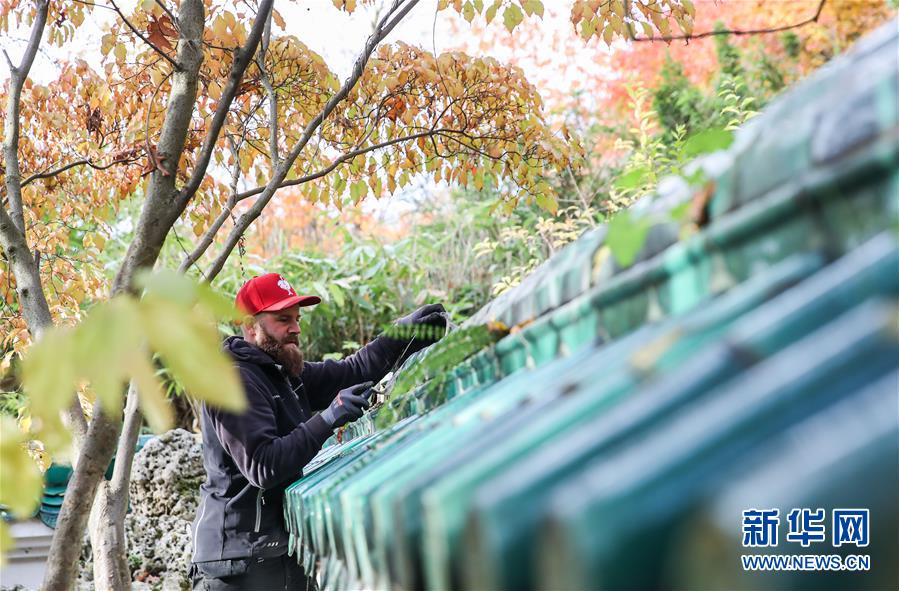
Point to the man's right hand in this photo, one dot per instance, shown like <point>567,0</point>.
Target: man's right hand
<point>347,406</point>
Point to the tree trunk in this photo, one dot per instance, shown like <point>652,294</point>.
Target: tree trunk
<point>107,520</point>
<point>90,465</point>
<point>107,527</point>
<point>108,544</point>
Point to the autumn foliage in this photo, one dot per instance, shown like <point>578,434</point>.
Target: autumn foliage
<point>577,60</point>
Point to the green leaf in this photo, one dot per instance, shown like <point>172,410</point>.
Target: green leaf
<point>679,214</point>
<point>21,484</point>
<point>321,291</point>
<point>189,345</point>
<point>697,178</point>
<point>626,236</point>
<point>337,294</point>
<point>710,140</point>
<point>633,179</point>
<point>512,17</point>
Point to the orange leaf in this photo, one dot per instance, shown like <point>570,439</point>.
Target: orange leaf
<point>159,30</point>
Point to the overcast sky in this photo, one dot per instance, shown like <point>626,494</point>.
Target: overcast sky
<point>337,36</point>
<point>333,33</point>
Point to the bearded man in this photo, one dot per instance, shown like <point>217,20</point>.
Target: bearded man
<point>239,536</point>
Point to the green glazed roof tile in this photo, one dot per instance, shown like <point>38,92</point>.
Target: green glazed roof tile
<point>629,403</point>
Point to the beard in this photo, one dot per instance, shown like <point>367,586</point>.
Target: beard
<point>286,352</point>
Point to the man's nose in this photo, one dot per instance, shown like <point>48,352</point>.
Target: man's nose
<point>294,327</point>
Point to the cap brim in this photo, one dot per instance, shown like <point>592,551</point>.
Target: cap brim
<point>302,301</point>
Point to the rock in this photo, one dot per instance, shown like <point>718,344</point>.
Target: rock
<point>165,481</point>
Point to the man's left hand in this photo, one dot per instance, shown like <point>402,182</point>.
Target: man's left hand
<point>433,314</point>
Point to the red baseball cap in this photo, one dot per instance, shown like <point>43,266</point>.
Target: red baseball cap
<point>270,293</point>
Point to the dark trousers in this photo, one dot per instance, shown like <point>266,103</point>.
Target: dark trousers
<point>250,574</point>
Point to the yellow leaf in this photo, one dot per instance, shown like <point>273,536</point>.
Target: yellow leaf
<point>106,43</point>
<point>548,202</point>
<point>689,8</point>
<point>49,390</point>
<point>533,7</point>
<point>279,20</point>
<point>6,542</point>
<point>588,27</point>
<point>189,346</point>
<point>153,402</point>
<point>20,486</point>
<point>608,34</point>
<point>468,11</point>
<point>491,12</point>
<point>120,52</point>
<point>664,27</point>
<point>103,346</point>
<point>220,306</point>
<point>512,17</point>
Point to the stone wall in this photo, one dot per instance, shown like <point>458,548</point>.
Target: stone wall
<point>165,482</point>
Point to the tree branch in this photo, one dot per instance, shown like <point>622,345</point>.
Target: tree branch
<point>736,32</point>
<point>241,62</point>
<point>208,236</point>
<point>8,61</point>
<point>159,211</point>
<point>168,12</point>
<point>23,264</point>
<point>11,132</point>
<point>344,158</point>
<point>70,165</point>
<point>270,93</point>
<point>235,198</point>
<point>140,36</point>
<point>395,14</point>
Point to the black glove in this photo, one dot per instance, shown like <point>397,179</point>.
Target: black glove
<point>347,406</point>
<point>429,324</point>
<point>431,314</point>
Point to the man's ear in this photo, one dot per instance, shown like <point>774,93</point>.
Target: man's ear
<point>248,326</point>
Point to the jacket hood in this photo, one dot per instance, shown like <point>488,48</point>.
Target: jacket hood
<point>241,350</point>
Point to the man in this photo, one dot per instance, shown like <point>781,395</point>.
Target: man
<point>240,540</point>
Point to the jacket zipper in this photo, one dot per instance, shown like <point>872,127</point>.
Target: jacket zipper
<point>259,503</point>
<point>199,521</point>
